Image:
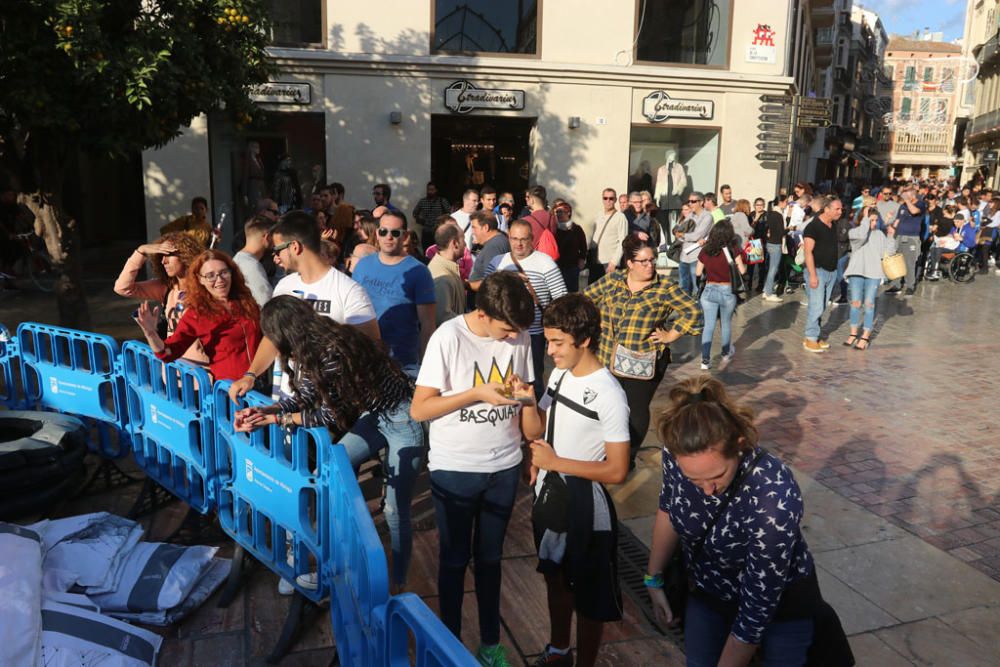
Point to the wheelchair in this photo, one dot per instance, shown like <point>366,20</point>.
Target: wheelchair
<point>959,266</point>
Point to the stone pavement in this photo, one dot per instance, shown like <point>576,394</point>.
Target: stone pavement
<point>892,448</point>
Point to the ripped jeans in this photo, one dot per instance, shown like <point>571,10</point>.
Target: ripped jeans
<point>863,292</point>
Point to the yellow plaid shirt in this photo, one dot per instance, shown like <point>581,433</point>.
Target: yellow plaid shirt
<point>628,318</point>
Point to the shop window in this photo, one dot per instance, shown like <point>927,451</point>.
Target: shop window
<point>486,26</point>
<point>296,22</point>
<point>671,163</point>
<point>695,32</point>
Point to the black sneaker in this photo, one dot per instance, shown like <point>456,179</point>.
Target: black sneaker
<point>910,291</point>
<point>549,659</point>
<point>893,290</point>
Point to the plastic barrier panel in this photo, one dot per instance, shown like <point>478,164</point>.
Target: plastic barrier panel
<point>170,418</point>
<point>11,392</point>
<point>269,498</point>
<point>75,372</point>
<point>434,645</point>
<point>359,573</point>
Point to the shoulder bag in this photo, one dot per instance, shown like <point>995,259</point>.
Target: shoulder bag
<point>550,511</point>
<point>674,252</point>
<point>735,278</point>
<point>592,252</point>
<point>629,364</point>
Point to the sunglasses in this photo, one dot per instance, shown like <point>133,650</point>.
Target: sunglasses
<point>609,198</point>
<point>694,201</point>
<point>212,277</point>
<point>281,246</point>
<point>395,233</point>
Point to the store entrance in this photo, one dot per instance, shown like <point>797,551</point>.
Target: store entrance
<point>472,152</point>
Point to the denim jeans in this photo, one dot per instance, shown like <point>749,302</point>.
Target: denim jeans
<point>909,246</point>
<point>403,441</point>
<point>472,510</point>
<point>686,276</point>
<point>841,268</point>
<point>818,298</point>
<point>863,292</point>
<point>571,277</point>
<point>784,644</point>
<point>773,264</point>
<point>718,303</point>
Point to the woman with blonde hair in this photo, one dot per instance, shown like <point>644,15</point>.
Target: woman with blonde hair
<point>220,312</point>
<point>735,512</point>
<point>741,221</point>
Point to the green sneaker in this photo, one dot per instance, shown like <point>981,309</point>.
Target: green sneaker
<point>493,656</point>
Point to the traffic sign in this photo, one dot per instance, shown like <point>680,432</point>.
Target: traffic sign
<point>814,122</point>
<point>776,99</point>
<point>772,157</point>
<point>823,102</point>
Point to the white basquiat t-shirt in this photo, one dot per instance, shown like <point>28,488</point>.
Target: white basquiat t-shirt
<point>479,437</point>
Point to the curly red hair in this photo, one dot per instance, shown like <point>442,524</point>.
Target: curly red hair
<point>198,298</point>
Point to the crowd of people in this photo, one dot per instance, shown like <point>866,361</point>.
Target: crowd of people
<point>436,357</point>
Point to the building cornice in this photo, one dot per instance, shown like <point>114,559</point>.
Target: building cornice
<point>320,62</point>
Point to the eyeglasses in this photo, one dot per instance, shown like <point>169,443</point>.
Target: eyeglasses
<point>522,239</point>
<point>647,262</point>
<point>395,233</point>
<point>609,198</point>
<point>694,201</point>
<point>281,246</point>
<point>212,277</point>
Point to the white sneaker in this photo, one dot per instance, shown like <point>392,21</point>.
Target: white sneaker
<point>726,358</point>
<point>705,366</point>
<point>773,298</point>
<point>285,587</point>
<point>309,581</point>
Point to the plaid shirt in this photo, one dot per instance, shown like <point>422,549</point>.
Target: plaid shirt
<point>628,318</point>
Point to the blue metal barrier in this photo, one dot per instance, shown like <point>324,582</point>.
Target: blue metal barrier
<point>75,372</point>
<point>268,494</point>
<point>11,394</point>
<point>170,419</point>
<point>359,575</point>
<point>434,645</point>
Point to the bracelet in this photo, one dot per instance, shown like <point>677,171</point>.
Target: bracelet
<point>287,419</point>
<point>251,374</point>
<point>653,580</point>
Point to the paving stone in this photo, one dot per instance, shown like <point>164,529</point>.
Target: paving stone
<point>857,613</point>
<point>932,642</point>
<point>979,625</point>
<point>868,649</point>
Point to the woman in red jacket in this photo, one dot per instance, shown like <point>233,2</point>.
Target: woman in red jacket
<point>219,311</point>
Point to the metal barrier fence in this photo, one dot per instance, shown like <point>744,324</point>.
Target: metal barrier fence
<point>276,493</point>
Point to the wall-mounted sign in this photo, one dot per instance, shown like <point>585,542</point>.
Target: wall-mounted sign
<point>279,92</point>
<point>762,49</point>
<point>658,107</point>
<point>462,97</point>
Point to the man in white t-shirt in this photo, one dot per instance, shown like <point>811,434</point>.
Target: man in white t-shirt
<point>544,279</point>
<point>297,249</point>
<point>467,388</point>
<point>584,420</point>
<point>463,216</point>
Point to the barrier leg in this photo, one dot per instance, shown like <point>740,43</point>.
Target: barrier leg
<point>151,499</point>
<point>107,476</point>
<point>235,580</point>
<point>301,614</point>
<point>197,528</point>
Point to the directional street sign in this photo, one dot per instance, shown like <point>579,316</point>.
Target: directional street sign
<point>824,102</point>
<point>775,127</point>
<point>814,122</point>
<point>776,99</point>
<point>774,137</point>
<point>772,147</point>
<point>773,108</point>
<point>775,118</point>
<point>772,157</point>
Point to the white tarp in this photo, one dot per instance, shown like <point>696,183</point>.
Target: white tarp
<point>20,595</point>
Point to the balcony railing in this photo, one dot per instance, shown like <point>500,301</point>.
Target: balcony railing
<point>912,143</point>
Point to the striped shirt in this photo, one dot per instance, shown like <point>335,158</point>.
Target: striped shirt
<point>628,318</point>
<point>543,273</point>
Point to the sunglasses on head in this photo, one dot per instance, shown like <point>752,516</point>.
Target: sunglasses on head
<point>395,233</point>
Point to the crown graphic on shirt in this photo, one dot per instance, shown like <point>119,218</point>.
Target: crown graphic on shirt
<point>495,374</point>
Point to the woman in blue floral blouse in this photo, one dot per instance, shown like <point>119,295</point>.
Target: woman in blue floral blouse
<point>735,510</point>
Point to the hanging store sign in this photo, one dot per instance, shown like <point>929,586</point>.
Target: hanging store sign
<point>462,97</point>
<point>658,107</point>
<point>278,92</point>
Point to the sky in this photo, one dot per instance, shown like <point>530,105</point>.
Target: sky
<point>902,17</point>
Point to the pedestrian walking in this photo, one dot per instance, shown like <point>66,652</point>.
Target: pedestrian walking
<point>820,250</point>
<point>869,245</point>
<point>718,302</point>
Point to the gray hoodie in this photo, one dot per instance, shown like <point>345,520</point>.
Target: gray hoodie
<point>868,246</point>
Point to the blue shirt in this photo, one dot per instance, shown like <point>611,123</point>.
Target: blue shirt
<point>396,290</point>
<point>910,224</point>
<point>754,550</point>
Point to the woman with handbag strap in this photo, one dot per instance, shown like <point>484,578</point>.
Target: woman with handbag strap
<point>735,510</point>
<point>718,300</point>
<point>864,273</point>
<point>635,303</point>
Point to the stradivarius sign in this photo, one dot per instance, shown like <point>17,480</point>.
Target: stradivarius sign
<point>658,107</point>
<point>463,96</point>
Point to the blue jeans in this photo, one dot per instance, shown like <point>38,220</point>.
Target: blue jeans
<point>773,264</point>
<point>784,644</point>
<point>818,298</point>
<point>863,292</point>
<point>403,441</point>
<point>841,268</point>
<point>686,276</point>
<point>472,510</point>
<point>718,303</point>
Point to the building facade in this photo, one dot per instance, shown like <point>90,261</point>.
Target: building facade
<point>918,140</point>
<point>573,96</point>
<point>982,94</point>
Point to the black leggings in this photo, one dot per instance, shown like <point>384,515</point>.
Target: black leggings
<point>640,394</point>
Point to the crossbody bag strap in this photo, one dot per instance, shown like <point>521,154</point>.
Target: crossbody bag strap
<point>550,426</point>
<point>600,236</point>
<point>733,489</point>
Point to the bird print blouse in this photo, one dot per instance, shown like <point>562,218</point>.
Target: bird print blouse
<point>754,550</point>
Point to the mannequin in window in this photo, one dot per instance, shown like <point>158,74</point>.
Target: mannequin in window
<point>671,184</point>
<point>286,189</point>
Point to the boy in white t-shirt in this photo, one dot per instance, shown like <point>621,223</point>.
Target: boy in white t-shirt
<point>475,375</point>
<point>584,418</point>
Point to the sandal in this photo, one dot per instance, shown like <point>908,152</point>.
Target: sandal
<point>865,340</point>
<point>851,340</point>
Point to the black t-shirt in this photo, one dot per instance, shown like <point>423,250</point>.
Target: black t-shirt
<point>825,250</point>
<point>944,225</point>
<point>775,227</point>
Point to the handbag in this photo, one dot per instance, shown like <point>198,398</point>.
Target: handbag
<point>550,511</point>
<point>632,365</point>
<point>739,287</point>
<point>893,266</point>
<point>754,251</point>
